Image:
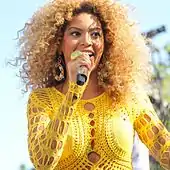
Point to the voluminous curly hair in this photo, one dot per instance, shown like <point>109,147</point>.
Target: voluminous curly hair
<point>124,64</point>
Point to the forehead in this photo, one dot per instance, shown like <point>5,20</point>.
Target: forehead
<point>85,21</point>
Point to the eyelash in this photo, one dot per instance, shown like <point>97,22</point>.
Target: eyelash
<point>75,33</point>
<point>96,34</point>
<point>93,34</point>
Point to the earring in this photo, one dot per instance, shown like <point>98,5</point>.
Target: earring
<point>59,70</point>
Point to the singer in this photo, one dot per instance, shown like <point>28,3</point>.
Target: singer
<point>88,122</point>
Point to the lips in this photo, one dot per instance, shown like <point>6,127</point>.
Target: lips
<point>77,53</point>
<point>90,53</point>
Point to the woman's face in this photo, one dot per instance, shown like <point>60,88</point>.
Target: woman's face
<point>83,33</point>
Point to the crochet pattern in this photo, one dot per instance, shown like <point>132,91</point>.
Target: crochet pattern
<point>68,133</point>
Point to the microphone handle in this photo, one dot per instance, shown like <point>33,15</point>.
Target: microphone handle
<point>82,75</point>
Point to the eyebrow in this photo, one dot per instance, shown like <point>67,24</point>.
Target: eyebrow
<point>91,29</point>
<point>74,28</point>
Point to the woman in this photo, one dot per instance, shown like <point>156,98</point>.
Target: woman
<point>89,121</point>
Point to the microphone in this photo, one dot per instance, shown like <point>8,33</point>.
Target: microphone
<point>82,75</point>
<point>82,71</point>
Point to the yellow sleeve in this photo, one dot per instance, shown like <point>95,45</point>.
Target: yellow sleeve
<point>46,134</point>
<point>153,134</point>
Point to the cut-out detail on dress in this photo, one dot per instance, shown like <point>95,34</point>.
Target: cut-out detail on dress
<point>92,123</point>
<point>41,161</point>
<point>61,127</point>
<point>60,145</point>
<point>91,115</point>
<point>161,140</point>
<point>92,132</point>
<point>88,167</point>
<point>53,144</point>
<point>93,157</point>
<point>56,125</point>
<point>46,159</point>
<point>92,143</point>
<point>89,106</point>
<point>51,160</point>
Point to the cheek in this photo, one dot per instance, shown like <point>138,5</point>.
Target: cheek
<point>99,47</point>
<point>69,44</point>
<point>66,44</point>
<point>67,47</point>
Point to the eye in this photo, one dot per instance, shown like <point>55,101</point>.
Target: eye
<point>96,34</point>
<point>75,34</point>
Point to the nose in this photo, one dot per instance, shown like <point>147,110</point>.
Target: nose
<point>86,40</point>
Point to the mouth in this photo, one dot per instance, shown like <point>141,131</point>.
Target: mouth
<point>91,54</point>
<point>78,53</point>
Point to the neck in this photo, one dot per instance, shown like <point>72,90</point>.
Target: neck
<point>92,90</point>
<point>92,85</point>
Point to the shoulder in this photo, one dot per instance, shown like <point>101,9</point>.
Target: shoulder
<point>45,97</point>
<point>141,104</point>
<point>40,94</point>
<point>137,104</point>
<point>44,93</point>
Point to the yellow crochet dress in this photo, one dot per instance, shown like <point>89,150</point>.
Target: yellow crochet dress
<point>68,133</point>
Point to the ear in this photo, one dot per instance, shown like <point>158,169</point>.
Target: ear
<point>60,49</point>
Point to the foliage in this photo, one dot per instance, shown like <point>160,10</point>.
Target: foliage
<point>160,93</point>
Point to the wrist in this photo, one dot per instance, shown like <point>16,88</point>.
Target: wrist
<point>76,89</point>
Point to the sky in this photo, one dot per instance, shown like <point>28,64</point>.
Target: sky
<point>13,14</point>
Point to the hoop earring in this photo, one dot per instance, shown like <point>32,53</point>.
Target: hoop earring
<point>59,70</point>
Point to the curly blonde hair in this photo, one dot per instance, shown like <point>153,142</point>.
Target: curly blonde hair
<point>124,64</point>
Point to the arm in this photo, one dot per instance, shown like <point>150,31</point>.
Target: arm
<point>153,134</point>
<point>140,155</point>
<point>47,134</point>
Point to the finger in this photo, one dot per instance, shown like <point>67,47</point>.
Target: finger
<point>84,63</point>
<point>85,57</point>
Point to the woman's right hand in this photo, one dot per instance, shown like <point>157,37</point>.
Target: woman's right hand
<point>74,65</point>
